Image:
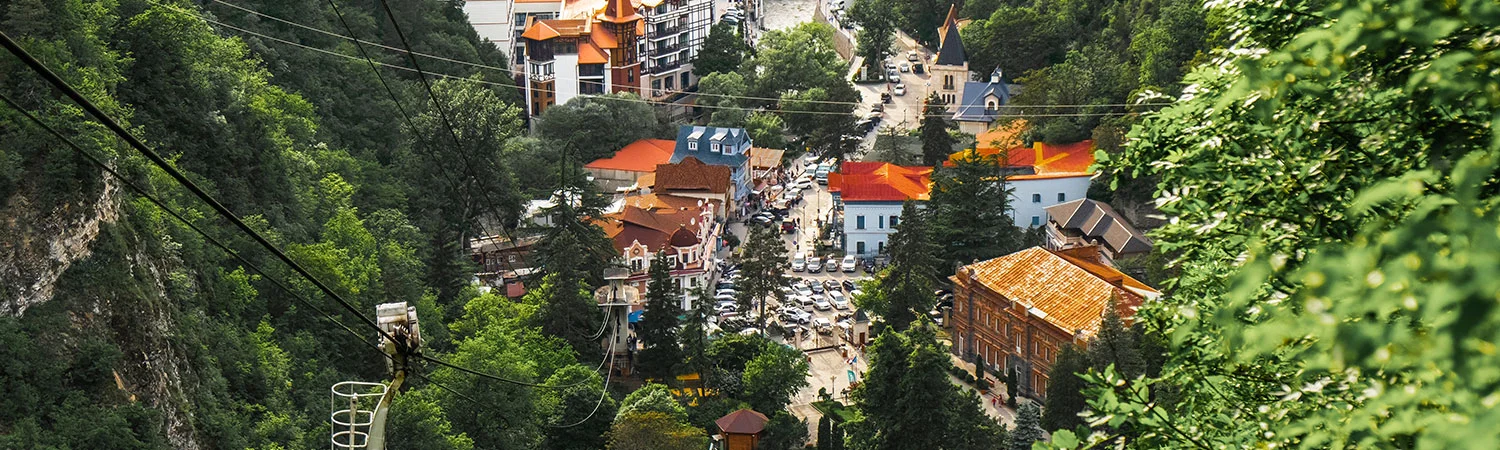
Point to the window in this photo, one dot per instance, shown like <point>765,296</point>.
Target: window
<point>895,220</point>
<point>692,145</point>
<point>635,265</point>
<point>1062,197</point>
<point>693,282</point>
<point>880,222</point>
<point>859,223</point>
<point>881,247</point>
<point>1036,198</point>
<point>687,79</point>
<point>1036,220</point>
<point>715,146</point>
<point>859,247</point>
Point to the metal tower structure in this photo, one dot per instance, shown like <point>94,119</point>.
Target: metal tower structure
<point>357,423</point>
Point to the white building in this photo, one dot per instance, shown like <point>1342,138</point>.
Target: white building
<point>872,194</point>
<point>503,21</point>
<point>1041,176</point>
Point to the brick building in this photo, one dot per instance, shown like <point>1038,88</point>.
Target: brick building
<point>1018,311</point>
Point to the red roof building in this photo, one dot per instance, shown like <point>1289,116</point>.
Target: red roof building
<point>1018,311</point>
<point>683,228</point>
<point>595,54</point>
<point>873,194</point>
<point>626,167</point>
<point>741,429</point>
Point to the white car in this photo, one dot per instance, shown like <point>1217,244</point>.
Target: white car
<point>723,292</point>
<point>911,55</point>
<point>905,67</point>
<point>900,89</point>
<point>807,303</point>
<point>804,291</point>
<point>726,307</point>
<point>799,262</point>
<point>822,305</point>
<point>724,298</point>
<point>849,264</point>
<point>832,265</point>
<point>839,302</point>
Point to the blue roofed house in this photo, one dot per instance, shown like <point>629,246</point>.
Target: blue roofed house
<point>715,146</point>
<point>981,103</point>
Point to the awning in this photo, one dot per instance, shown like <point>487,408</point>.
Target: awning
<point>636,316</point>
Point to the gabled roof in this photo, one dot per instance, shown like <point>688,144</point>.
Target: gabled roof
<point>639,156</point>
<point>950,45</point>
<point>763,158</point>
<point>880,182</point>
<point>690,174</point>
<point>590,53</point>
<point>734,137</point>
<point>1098,221</point>
<point>654,229</point>
<point>1043,160</point>
<point>1064,290</point>
<point>619,11</point>
<point>971,108</point>
<point>744,421</point>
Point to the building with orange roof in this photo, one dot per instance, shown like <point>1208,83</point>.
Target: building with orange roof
<point>872,194</point>
<point>593,54</point>
<point>1019,310</point>
<point>1040,176</point>
<point>626,167</point>
<point>684,228</point>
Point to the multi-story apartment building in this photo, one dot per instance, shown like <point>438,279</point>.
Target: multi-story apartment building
<point>596,54</point>
<point>675,30</point>
<point>503,22</point>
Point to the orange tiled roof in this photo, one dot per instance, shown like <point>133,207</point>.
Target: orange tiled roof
<point>638,156</point>
<point>658,201</point>
<point>1046,161</point>
<point>879,181</point>
<point>1065,290</point>
<point>603,37</point>
<point>547,29</point>
<point>765,157</point>
<point>1006,136</point>
<point>589,53</point>
<point>690,174</point>
<point>619,11</point>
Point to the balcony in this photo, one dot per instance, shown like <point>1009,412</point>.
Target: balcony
<point>539,70</point>
<point>662,32</point>
<point>663,67</point>
<point>662,50</point>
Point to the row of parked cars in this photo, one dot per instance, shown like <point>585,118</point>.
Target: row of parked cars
<point>802,262</point>
<point>805,296</point>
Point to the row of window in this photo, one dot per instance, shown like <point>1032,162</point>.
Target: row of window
<point>859,247</point>
<point>859,222</point>
<point>1061,197</point>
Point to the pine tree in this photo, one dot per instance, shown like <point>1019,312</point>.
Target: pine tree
<point>1065,397</point>
<point>1012,385</point>
<point>825,432</point>
<point>969,210</point>
<point>694,335</point>
<point>1028,428</point>
<point>658,328</point>
<point>979,370</point>
<point>1116,345</point>
<point>906,287</point>
<point>763,267</point>
<point>936,142</point>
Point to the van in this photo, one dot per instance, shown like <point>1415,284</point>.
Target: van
<point>799,262</point>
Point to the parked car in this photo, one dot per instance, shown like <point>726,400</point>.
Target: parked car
<point>900,89</point>
<point>729,292</point>
<point>885,97</point>
<point>814,264</point>
<point>848,285</point>
<point>832,265</point>
<point>807,303</point>
<point>822,304</point>
<point>848,265</point>
<point>799,262</point>
<point>816,287</point>
<point>788,225</point>
<point>830,285</point>
<point>911,55</point>
<point>893,77</point>
<point>724,298</point>
<point>838,300</point>
<point>905,67</point>
<point>804,291</point>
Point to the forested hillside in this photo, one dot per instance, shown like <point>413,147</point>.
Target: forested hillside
<point>121,328</point>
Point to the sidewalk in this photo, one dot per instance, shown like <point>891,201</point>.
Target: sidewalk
<point>996,409</point>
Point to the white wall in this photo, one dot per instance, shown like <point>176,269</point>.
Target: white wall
<point>1021,202</point>
<point>492,20</point>
<point>566,72</point>
<point>877,229</point>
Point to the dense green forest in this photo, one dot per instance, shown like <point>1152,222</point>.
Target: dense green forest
<point>156,339</point>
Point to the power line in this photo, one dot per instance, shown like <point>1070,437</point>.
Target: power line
<point>514,72</point>
<point>57,82</point>
<point>716,107</point>
<point>603,391</point>
<point>457,186</point>
<point>192,226</point>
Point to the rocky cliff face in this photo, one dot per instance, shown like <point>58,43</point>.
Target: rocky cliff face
<point>42,242</point>
<point>38,248</point>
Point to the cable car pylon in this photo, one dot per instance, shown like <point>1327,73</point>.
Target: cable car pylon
<point>354,426</point>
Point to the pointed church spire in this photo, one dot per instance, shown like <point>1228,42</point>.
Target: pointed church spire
<point>619,11</point>
<point>950,45</point>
